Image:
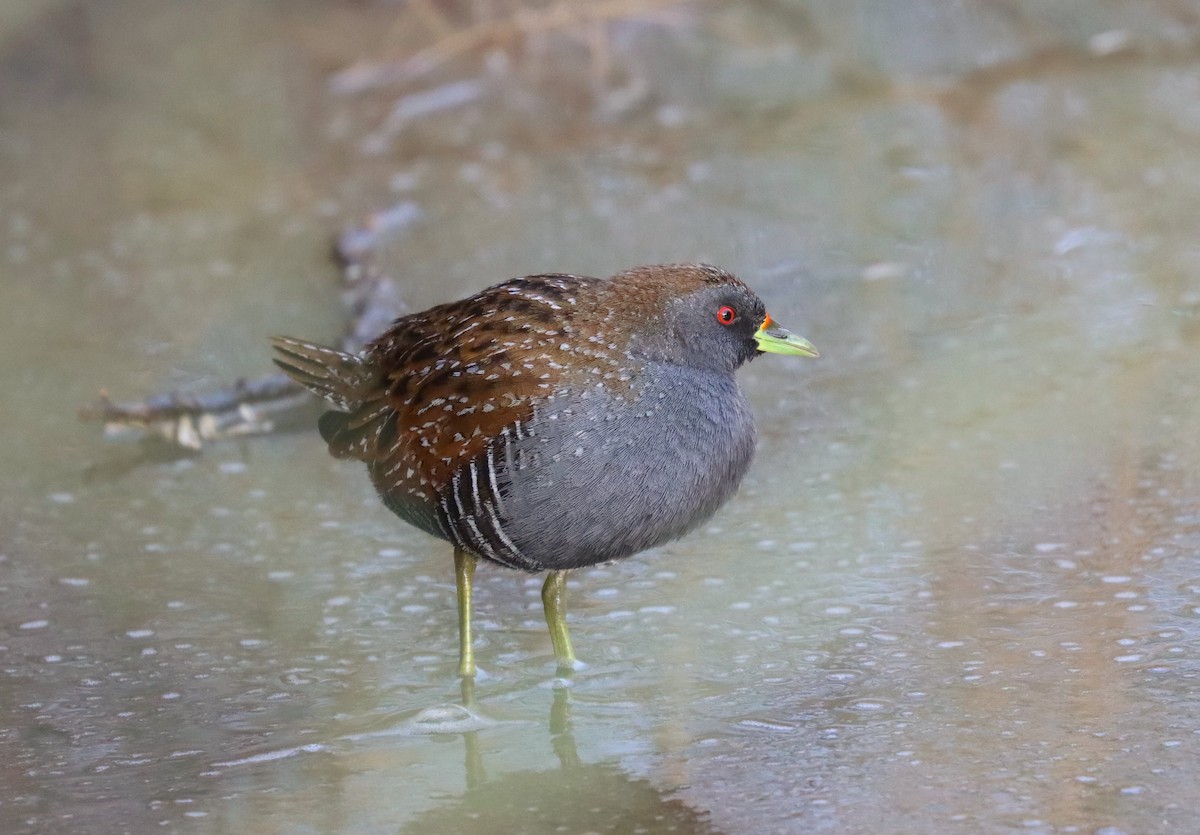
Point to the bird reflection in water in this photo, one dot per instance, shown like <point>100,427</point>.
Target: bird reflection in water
<point>574,797</point>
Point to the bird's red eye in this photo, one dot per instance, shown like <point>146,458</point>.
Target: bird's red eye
<point>726,315</point>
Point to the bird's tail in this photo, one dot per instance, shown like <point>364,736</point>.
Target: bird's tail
<point>364,421</point>
<point>343,379</point>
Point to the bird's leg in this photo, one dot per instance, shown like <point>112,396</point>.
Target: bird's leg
<point>554,594</point>
<point>464,576</point>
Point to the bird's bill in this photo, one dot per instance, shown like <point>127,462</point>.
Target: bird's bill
<point>772,339</point>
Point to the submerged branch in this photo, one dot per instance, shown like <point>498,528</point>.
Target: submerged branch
<point>264,404</point>
<point>248,407</point>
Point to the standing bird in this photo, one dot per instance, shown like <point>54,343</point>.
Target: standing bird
<point>553,421</point>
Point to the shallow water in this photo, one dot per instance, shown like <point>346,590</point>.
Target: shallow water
<point>959,591</point>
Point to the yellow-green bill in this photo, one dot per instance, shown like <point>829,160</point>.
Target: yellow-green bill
<point>773,339</point>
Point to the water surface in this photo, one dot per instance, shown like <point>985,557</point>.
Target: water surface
<point>959,590</point>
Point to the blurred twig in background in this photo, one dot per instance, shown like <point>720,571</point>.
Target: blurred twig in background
<point>506,24</point>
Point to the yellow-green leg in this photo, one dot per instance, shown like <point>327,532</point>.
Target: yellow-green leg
<point>554,601</point>
<point>464,578</point>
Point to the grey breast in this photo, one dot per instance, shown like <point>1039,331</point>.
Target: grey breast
<point>594,476</point>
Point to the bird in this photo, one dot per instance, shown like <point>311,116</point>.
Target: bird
<point>553,421</point>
